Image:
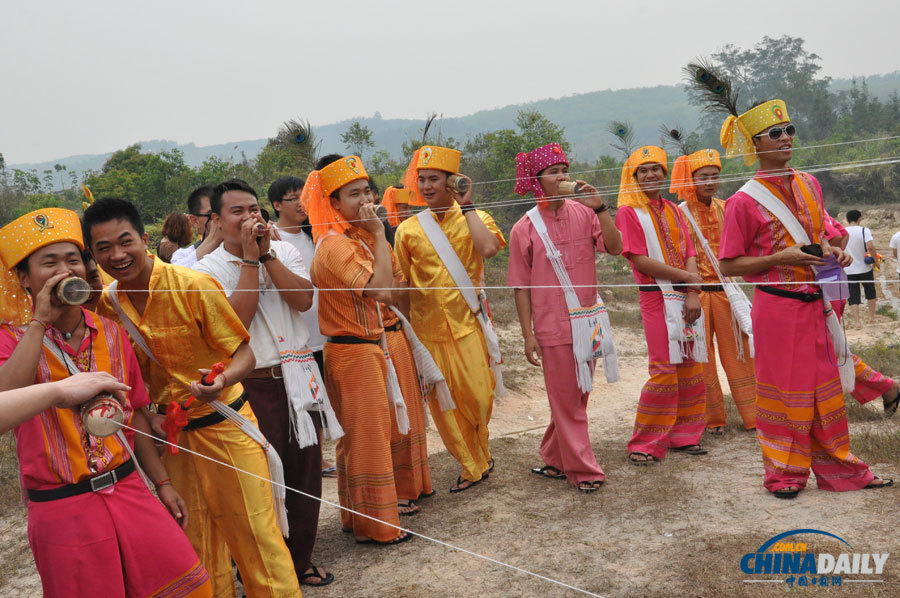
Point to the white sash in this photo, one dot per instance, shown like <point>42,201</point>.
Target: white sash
<point>475,301</point>
<point>737,299</point>
<point>430,376</point>
<point>66,360</point>
<point>276,469</point>
<point>591,330</point>
<point>685,340</point>
<point>777,208</point>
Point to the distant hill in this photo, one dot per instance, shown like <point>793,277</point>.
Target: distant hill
<point>584,117</point>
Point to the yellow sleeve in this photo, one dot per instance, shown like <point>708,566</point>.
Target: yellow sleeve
<point>492,226</point>
<point>221,327</point>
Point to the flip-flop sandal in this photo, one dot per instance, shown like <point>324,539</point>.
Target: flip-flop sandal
<point>785,493</point>
<point>890,407</point>
<point>329,472</point>
<point>885,483</point>
<point>398,540</point>
<point>324,580</point>
<point>545,471</point>
<point>427,494</point>
<point>591,487</point>
<point>415,510</point>
<point>691,449</point>
<point>647,460</point>
<point>460,481</point>
<point>716,431</point>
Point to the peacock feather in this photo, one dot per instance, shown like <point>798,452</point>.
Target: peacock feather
<point>709,85</point>
<point>624,134</point>
<point>678,138</point>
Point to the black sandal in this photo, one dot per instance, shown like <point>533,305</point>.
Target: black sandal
<point>690,449</point>
<point>647,460</point>
<point>460,481</point>
<point>546,472</point>
<point>716,431</point>
<point>886,483</point>
<point>414,508</point>
<point>405,537</point>
<point>592,486</point>
<point>324,580</point>
<point>785,493</point>
<point>890,407</point>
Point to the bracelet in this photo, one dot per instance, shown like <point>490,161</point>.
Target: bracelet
<point>468,208</point>
<point>251,263</point>
<point>601,209</point>
<point>42,323</point>
<point>161,484</point>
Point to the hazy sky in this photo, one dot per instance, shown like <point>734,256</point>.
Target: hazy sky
<point>92,77</point>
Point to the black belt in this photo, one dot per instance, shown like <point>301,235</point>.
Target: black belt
<point>804,297</point>
<point>712,288</point>
<point>350,340</point>
<point>213,418</point>
<point>94,484</point>
<point>394,327</point>
<point>652,288</point>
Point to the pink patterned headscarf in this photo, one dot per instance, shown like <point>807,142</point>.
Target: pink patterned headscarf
<point>529,164</point>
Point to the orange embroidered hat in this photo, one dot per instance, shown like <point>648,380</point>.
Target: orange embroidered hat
<point>684,168</point>
<point>316,194</point>
<point>630,193</point>
<point>429,157</point>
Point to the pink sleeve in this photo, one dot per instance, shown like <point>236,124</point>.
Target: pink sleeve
<point>7,344</point>
<point>736,233</point>
<point>833,228</point>
<point>520,255</point>
<point>138,396</point>
<point>633,241</point>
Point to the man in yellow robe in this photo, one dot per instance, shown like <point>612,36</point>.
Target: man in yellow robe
<point>441,316</point>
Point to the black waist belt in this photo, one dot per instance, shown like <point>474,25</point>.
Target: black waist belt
<point>804,297</point>
<point>213,418</point>
<point>649,288</point>
<point>712,288</point>
<point>350,340</point>
<point>94,484</point>
<point>394,327</point>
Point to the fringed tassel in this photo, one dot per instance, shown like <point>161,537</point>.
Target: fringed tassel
<point>499,387</point>
<point>396,397</point>
<point>738,339</point>
<point>583,374</point>
<point>444,398</point>
<point>332,428</point>
<point>276,469</point>
<point>843,357</point>
<point>303,428</point>
<point>610,358</point>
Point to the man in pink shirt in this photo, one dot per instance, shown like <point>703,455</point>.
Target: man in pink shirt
<point>577,228</point>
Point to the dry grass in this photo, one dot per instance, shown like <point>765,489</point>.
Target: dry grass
<point>10,493</point>
<point>14,553</point>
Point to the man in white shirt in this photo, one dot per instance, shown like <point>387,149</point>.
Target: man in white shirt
<point>201,219</point>
<point>267,284</point>
<point>859,242</point>
<point>895,245</point>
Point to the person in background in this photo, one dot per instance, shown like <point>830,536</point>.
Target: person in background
<point>201,219</point>
<point>860,242</point>
<point>176,233</point>
<point>895,247</point>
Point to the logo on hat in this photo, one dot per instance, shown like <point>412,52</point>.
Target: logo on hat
<point>710,154</point>
<point>352,164</point>
<point>42,222</point>
<point>776,110</point>
<point>427,152</point>
<point>646,151</point>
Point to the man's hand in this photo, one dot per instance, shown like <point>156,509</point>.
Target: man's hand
<point>588,195</point>
<point>692,308</point>
<point>208,392</point>
<point>844,259</point>
<point>533,351</point>
<point>792,256</point>
<point>45,309</point>
<point>369,220</point>
<point>251,244</point>
<point>174,503</point>
<point>464,199</point>
<point>84,386</point>
<point>691,278</point>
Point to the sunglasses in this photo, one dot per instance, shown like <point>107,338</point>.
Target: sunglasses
<point>775,133</point>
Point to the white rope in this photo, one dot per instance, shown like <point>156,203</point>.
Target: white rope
<point>338,506</point>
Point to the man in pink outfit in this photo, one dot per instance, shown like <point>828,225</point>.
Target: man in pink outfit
<point>577,228</point>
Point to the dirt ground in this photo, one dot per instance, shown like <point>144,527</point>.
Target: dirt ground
<point>676,529</point>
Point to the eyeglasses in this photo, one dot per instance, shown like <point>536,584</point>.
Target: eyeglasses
<point>775,133</point>
<point>291,198</point>
<point>206,215</point>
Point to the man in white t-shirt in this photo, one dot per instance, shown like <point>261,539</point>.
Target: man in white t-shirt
<point>895,245</point>
<point>273,288</point>
<point>860,241</point>
<point>201,219</point>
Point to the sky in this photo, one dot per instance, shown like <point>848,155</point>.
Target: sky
<point>95,76</point>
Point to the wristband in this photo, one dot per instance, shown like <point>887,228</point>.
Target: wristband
<point>270,255</point>
<point>468,208</point>
<point>162,483</point>
<point>601,209</point>
<point>42,323</point>
<point>252,263</point>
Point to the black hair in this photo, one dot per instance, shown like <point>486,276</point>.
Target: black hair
<point>326,160</point>
<point>106,209</point>
<point>196,195</point>
<point>374,186</point>
<point>215,200</point>
<point>854,216</point>
<point>281,187</point>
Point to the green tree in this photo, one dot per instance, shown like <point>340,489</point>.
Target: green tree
<point>357,139</point>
